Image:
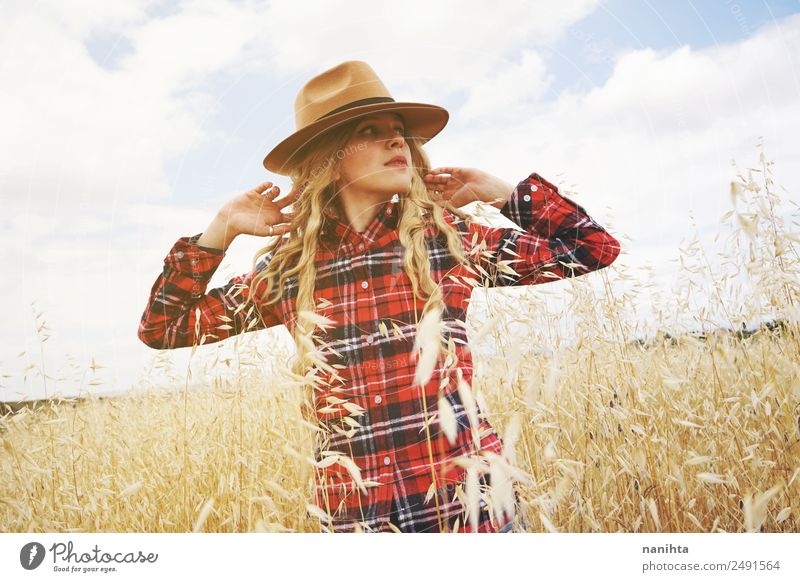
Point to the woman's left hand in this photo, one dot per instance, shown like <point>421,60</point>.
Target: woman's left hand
<point>460,186</point>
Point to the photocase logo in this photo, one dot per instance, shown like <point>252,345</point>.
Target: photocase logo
<point>31,555</point>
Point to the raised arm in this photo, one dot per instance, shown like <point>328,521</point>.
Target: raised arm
<point>558,238</point>
<point>179,311</point>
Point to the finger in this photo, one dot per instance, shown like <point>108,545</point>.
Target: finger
<point>443,170</point>
<point>286,219</point>
<point>436,180</point>
<point>259,194</point>
<point>288,199</point>
<point>437,196</point>
<point>441,190</point>
<point>277,230</point>
<point>270,193</point>
<point>261,187</point>
<point>439,175</point>
<point>265,230</point>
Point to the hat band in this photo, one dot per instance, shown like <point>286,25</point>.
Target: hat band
<point>359,103</point>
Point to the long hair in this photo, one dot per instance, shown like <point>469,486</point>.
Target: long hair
<point>293,254</point>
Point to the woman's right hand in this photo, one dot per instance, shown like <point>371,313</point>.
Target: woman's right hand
<point>256,212</point>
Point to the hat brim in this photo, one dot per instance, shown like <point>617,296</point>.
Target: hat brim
<point>422,121</point>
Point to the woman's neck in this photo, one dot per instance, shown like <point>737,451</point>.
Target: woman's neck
<point>359,210</point>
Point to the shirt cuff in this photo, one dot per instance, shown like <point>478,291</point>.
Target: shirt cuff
<point>195,238</point>
<point>530,194</point>
<point>188,258</point>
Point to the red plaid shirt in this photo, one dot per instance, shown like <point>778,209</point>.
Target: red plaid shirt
<point>362,276</point>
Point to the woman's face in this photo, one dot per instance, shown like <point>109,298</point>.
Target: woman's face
<point>364,168</point>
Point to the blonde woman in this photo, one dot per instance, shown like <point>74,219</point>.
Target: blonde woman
<point>377,246</point>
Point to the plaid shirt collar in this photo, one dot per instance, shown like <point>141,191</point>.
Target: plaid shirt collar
<point>335,231</point>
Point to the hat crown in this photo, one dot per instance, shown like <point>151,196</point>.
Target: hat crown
<point>345,84</point>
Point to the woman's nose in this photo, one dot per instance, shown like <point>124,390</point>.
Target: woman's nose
<point>396,140</point>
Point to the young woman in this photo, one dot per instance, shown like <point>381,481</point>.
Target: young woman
<point>372,274</point>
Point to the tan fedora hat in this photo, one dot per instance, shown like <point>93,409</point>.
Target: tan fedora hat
<point>348,90</point>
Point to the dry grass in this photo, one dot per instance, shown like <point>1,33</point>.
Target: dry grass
<point>683,434</point>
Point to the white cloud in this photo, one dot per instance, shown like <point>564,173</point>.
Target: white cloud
<point>514,87</point>
<point>82,135</point>
<point>656,141</point>
<point>453,44</point>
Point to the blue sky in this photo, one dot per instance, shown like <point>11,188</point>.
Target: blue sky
<point>128,124</point>
<point>584,57</point>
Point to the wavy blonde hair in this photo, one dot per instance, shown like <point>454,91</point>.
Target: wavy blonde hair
<point>293,255</point>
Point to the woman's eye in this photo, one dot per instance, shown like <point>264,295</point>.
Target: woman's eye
<point>399,130</point>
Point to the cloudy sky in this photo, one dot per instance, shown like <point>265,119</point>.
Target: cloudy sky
<point>127,124</point>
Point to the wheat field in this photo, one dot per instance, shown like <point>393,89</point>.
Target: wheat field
<point>683,431</point>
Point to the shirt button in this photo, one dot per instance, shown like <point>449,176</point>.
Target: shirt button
<point>534,188</point>
<point>378,399</point>
<point>386,460</point>
<point>364,284</point>
<point>179,254</point>
<point>361,246</point>
<point>370,339</point>
<point>388,211</point>
<point>527,198</point>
